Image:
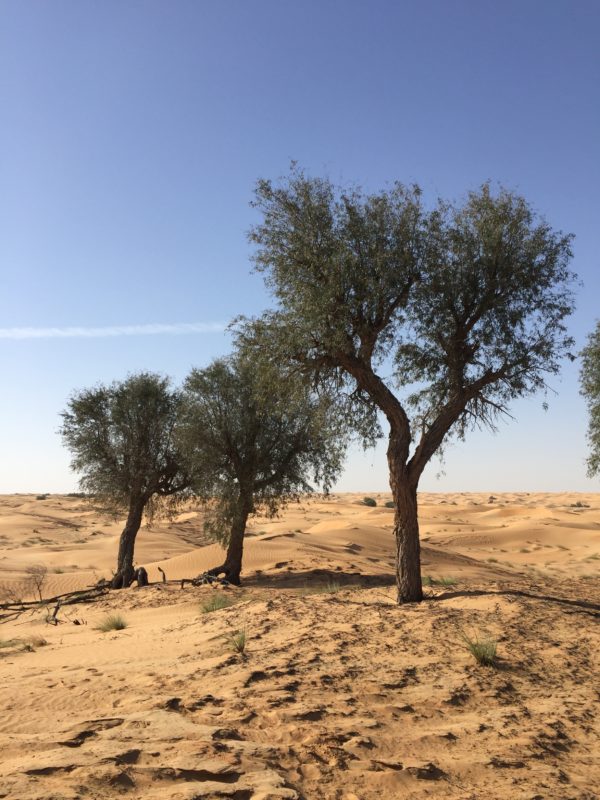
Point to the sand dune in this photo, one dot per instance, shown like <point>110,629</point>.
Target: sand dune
<point>340,695</point>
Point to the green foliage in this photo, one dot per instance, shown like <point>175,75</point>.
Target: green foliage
<point>590,389</point>
<point>251,439</point>
<point>468,301</point>
<point>483,649</point>
<point>390,504</point>
<point>369,501</point>
<point>122,440</point>
<point>112,622</point>
<point>215,602</point>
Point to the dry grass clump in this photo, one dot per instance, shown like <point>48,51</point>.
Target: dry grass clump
<point>113,622</point>
<point>331,587</point>
<point>215,602</point>
<point>482,648</point>
<point>238,641</point>
<point>429,580</point>
<point>29,644</point>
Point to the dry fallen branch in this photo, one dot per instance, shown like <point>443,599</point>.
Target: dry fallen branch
<point>205,579</point>
<point>15,608</point>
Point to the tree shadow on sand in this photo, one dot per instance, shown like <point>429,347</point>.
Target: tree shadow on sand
<point>316,578</point>
<point>585,606</point>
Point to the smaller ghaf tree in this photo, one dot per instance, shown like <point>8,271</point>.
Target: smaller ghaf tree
<point>251,442</point>
<point>590,389</point>
<point>122,438</point>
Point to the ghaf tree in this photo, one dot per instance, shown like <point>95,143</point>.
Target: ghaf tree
<point>122,440</point>
<point>252,441</point>
<point>590,389</point>
<point>464,305</point>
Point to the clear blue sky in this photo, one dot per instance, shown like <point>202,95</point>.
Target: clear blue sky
<point>132,134</point>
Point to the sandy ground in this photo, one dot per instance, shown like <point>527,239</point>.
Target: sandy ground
<point>339,693</point>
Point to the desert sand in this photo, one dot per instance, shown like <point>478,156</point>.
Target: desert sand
<point>339,693</point>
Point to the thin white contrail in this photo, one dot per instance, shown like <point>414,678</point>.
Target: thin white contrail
<point>112,330</point>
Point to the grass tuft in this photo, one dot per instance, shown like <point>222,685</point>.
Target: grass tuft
<point>113,622</point>
<point>429,580</point>
<point>238,641</point>
<point>215,602</point>
<point>483,649</point>
<point>331,587</point>
<point>29,644</point>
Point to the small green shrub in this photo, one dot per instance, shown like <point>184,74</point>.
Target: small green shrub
<point>390,504</point>
<point>238,641</point>
<point>41,497</point>
<point>428,580</point>
<point>215,602</point>
<point>369,501</point>
<point>483,649</point>
<point>447,581</point>
<point>113,622</point>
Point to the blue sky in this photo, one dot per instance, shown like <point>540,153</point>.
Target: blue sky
<point>134,131</point>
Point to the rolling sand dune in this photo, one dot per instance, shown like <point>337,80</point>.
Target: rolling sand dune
<point>340,694</point>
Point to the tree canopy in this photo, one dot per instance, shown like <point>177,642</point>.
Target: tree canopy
<point>121,437</point>
<point>462,305</point>
<point>590,389</point>
<point>253,442</point>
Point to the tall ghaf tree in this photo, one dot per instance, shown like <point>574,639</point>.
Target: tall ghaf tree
<point>590,389</point>
<point>252,443</point>
<point>464,304</point>
<point>122,441</point>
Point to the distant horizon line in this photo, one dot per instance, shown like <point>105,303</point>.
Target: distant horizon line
<point>83,332</point>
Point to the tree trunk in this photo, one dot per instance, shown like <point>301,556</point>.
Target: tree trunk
<point>406,528</point>
<point>125,572</point>
<point>231,568</point>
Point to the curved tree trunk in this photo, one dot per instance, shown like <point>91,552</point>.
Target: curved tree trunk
<point>231,568</point>
<point>406,529</point>
<point>125,572</point>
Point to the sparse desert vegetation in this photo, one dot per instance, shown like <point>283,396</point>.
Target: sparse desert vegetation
<point>313,656</point>
<point>112,622</point>
<point>215,602</point>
